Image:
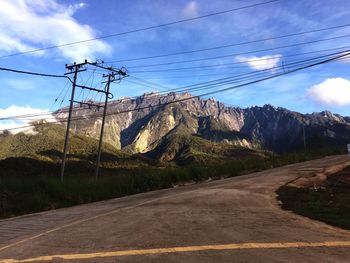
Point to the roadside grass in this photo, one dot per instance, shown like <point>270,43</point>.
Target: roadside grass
<point>330,203</point>
<point>28,185</point>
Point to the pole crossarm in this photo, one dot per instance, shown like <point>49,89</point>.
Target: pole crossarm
<point>110,95</point>
<point>122,71</point>
<point>89,104</point>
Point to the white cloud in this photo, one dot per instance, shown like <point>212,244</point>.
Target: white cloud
<point>32,24</point>
<point>190,10</point>
<point>332,92</point>
<point>19,121</point>
<point>260,63</point>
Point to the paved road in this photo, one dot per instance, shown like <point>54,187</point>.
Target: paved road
<point>231,220</point>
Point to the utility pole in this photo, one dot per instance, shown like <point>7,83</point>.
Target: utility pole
<point>74,69</point>
<point>111,77</point>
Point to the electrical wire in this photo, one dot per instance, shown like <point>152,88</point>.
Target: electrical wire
<point>334,58</point>
<point>231,45</point>
<point>24,116</point>
<point>214,66</point>
<point>141,29</point>
<point>223,81</point>
<point>59,95</point>
<point>235,54</point>
<point>227,80</point>
<point>34,73</point>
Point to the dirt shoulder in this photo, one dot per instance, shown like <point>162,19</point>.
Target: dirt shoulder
<point>324,196</point>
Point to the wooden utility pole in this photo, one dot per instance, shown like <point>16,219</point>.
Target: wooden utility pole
<point>74,69</point>
<point>111,77</point>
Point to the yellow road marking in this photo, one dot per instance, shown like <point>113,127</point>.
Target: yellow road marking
<point>181,249</point>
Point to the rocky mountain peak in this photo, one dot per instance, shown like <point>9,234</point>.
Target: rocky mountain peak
<point>148,120</point>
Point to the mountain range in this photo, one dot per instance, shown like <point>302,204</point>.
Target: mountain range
<point>178,127</point>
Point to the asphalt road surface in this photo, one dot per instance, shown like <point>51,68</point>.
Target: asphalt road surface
<point>230,220</point>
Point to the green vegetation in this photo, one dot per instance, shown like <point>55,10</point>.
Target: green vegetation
<point>42,190</point>
<point>189,149</point>
<point>329,203</point>
<point>28,185</point>
<point>46,143</point>
<point>30,166</point>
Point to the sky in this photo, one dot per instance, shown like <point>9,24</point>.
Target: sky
<point>31,24</point>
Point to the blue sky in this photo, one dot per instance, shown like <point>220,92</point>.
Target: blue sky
<point>27,25</point>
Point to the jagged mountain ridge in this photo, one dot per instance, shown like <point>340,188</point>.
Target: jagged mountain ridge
<point>147,130</point>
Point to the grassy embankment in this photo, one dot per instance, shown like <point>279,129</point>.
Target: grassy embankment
<point>329,202</point>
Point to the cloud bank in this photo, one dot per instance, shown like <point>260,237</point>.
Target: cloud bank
<point>331,92</point>
<point>31,24</point>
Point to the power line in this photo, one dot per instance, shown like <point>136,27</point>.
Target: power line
<point>188,76</point>
<point>141,29</point>
<point>231,45</point>
<point>235,54</point>
<point>221,66</point>
<point>140,83</point>
<point>59,95</point>
<point>245,76</point>
<point>280,74</point>
<point>24,116</point>
<point>213,82</point>
<point>334,58</point>
<point>147,82</point>
<point>327,60</point>
<point>208,84</point>
<point>241,77</point>
<point>34,73</point>
<point>229,80</point>
<point>249,83</point>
